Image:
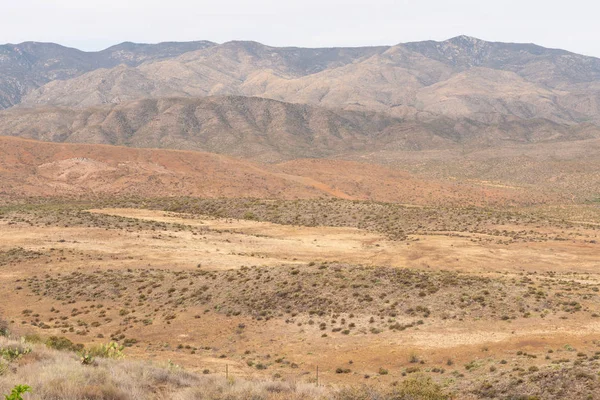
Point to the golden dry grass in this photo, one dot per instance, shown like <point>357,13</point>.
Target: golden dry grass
<point>61,376</point>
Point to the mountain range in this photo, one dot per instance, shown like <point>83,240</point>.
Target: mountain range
<point>271,104</point>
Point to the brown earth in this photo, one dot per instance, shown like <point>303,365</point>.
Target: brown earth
<point>30,168</point>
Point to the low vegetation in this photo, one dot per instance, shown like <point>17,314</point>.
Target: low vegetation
<point>396,221</point>
<point>83,308</point>
<point>52,374</point>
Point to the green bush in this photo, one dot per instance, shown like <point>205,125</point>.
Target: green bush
<point>62,343</point>
<point>17,392</point>
<point>13,352</point>
<point>110,350</point>
<point>33,338</point>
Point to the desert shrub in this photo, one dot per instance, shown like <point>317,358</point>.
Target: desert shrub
<point>62,343</point>
<point>3,327</point>
<point>13,352</point>
<point>33,338</point>
<point>418,388</point>
<point>110,350</point>
<point>86,358</point>
<point>340,370</point>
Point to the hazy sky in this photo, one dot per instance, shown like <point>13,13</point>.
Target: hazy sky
<point>96,24</point>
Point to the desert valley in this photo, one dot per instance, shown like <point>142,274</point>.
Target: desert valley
<point>237,221</point>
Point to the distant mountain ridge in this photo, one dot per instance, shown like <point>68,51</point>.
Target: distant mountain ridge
<point>320,102</point>
<point>26,66</point>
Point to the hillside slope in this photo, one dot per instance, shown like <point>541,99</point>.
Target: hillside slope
<point>271,131</point>
<point>31,168</point>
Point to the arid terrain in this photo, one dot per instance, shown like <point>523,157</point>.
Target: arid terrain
<point>238,221</point>
<point>487,303</point>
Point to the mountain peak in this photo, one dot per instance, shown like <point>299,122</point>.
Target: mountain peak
<point>468,43</point>
<point>464,39</point>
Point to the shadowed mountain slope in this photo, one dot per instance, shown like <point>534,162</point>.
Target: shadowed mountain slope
<point>271,104</point>
<point>269,130</point>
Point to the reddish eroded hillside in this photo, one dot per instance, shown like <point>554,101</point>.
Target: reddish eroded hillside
<point>366,181</point>
<point>31,168</point>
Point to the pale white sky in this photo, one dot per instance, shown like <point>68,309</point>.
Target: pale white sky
<point>95,24</point>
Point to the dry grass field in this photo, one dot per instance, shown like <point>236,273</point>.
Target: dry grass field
<point>478,302</point>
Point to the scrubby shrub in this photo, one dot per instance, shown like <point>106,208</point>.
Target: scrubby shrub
<point>110,350</point>
<point>86,358</point>
<point>418,388</point>
<point>62,343</point>
<point>3,327</point>
<point>13,352</point>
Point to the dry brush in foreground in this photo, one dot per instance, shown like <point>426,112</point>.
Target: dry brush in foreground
<point>59,375</point>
